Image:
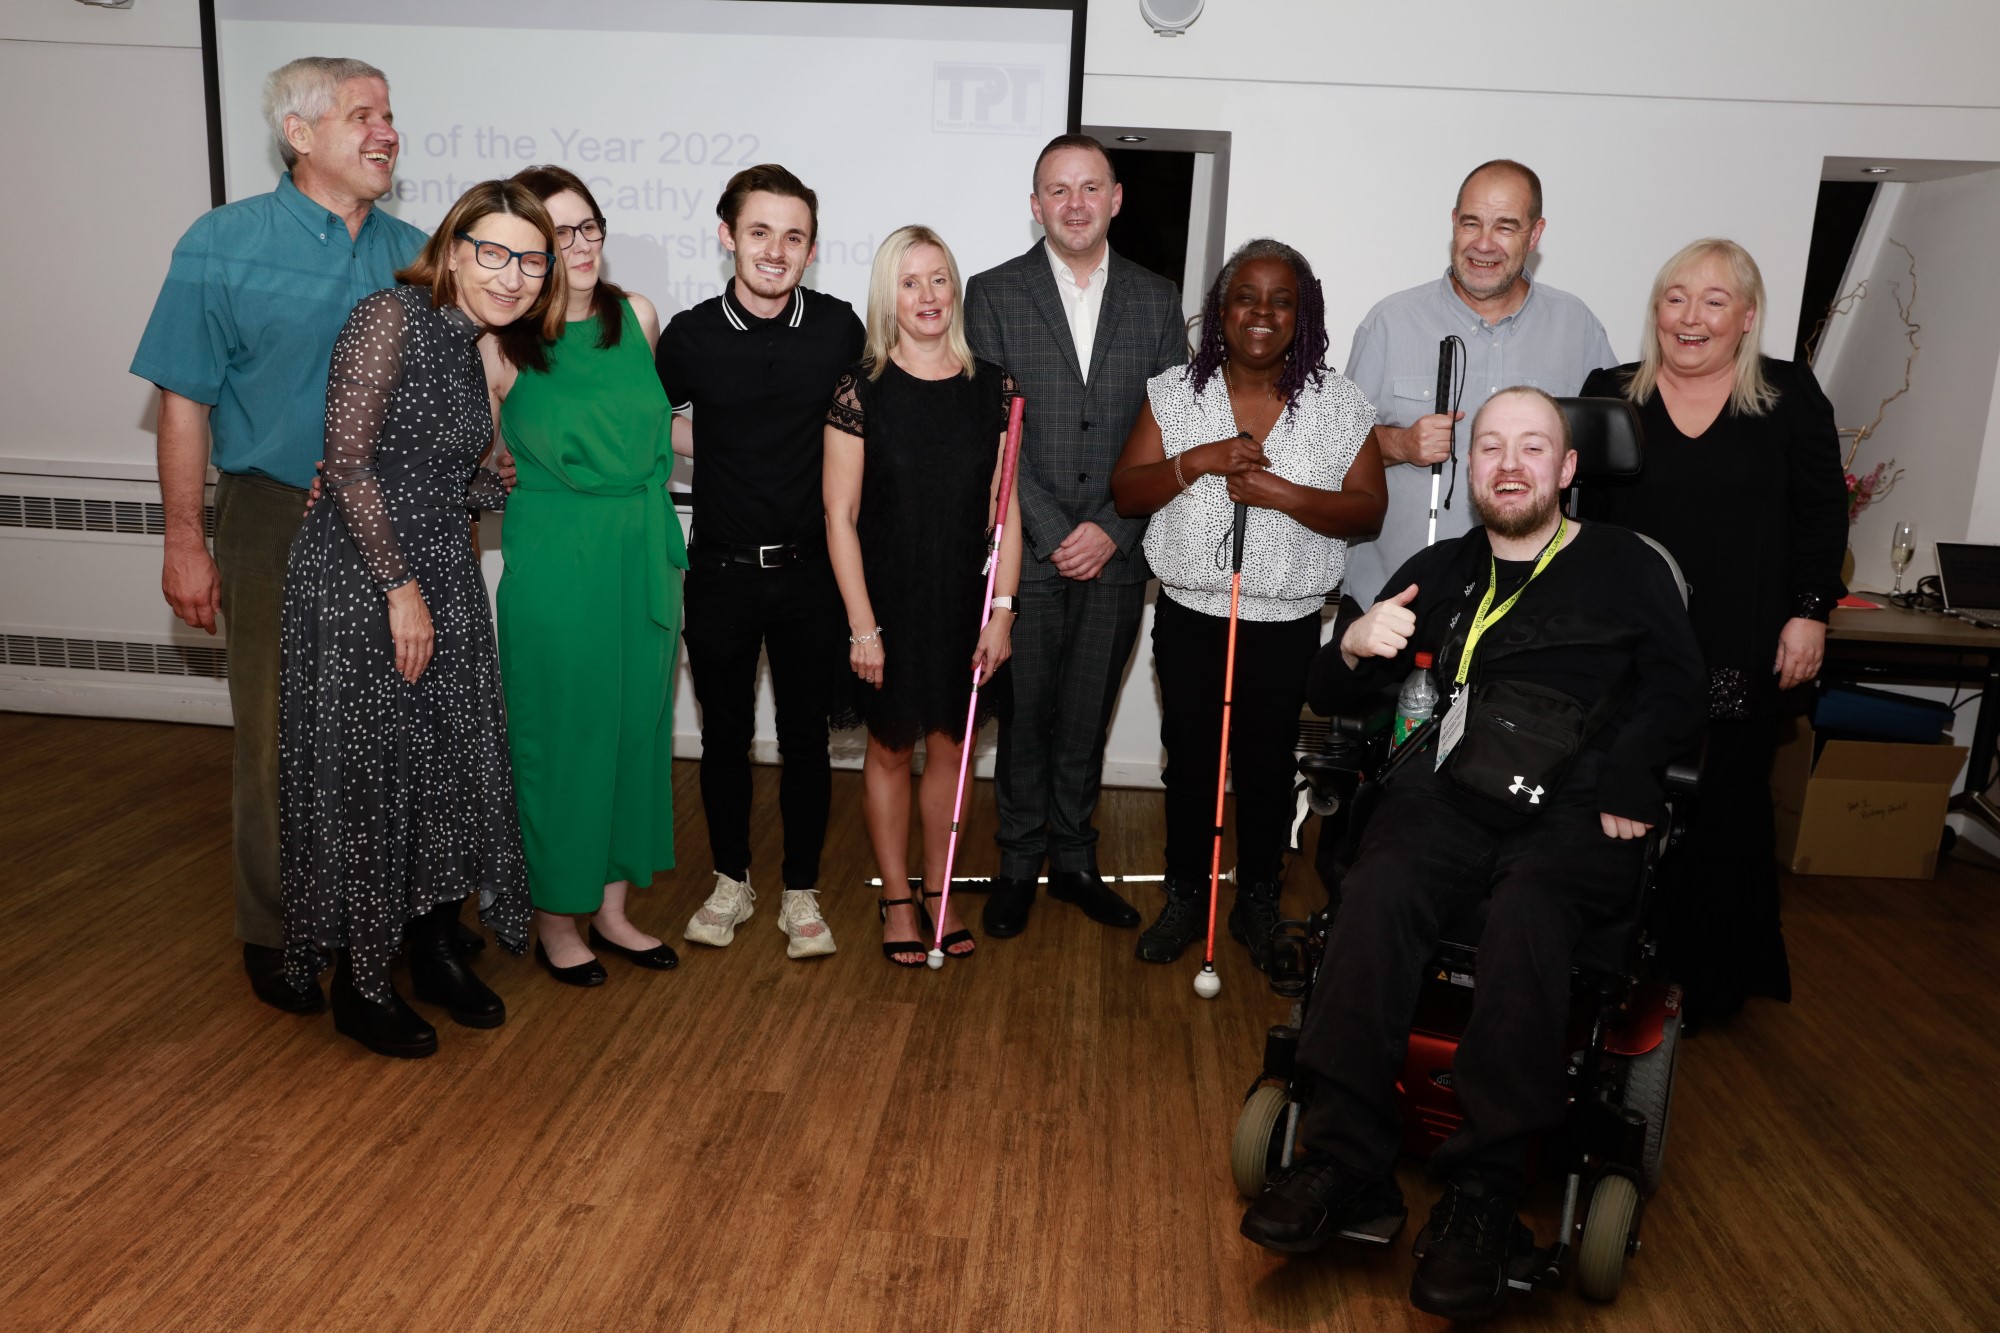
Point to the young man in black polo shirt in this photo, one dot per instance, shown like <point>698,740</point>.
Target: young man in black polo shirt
<point>756,367</point>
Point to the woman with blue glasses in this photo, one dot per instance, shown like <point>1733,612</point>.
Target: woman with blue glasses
<point>395,798</point>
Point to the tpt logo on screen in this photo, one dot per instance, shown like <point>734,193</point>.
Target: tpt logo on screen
<point>987,99</point>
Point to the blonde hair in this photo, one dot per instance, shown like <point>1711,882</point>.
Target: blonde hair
<point>1753,395</point>
<point>308,88</point>
<point>882,330</point>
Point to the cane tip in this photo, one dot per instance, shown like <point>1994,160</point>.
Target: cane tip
<point>936,959</point>
<point>1207,984</point>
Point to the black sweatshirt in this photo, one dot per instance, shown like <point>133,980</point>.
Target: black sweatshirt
<point>1606,605</point>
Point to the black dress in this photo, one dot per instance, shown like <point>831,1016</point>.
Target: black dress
<point>1755,512</point>
<point>929,448</point>
<point>394,797</point>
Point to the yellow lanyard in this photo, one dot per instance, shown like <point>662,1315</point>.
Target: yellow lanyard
<point>1481,620</point>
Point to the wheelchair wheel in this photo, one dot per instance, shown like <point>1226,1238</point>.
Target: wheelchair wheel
<point>1259,1140</point>
<point>1607,1227</point>
<point>1649,1090</point>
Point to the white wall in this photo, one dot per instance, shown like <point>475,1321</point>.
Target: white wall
<point>1942,433</point>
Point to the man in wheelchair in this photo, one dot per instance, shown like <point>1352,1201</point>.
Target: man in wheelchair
<point>1573,679</point>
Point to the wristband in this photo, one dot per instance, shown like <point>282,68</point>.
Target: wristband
<point>1004,602</point>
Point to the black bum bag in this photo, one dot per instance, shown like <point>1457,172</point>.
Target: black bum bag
<point>1519,741</point>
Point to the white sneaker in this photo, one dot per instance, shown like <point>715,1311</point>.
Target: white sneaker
<point>728,907</point>
<point>804,927</point>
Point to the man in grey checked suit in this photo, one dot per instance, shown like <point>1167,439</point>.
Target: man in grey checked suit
<point>1081,329</point>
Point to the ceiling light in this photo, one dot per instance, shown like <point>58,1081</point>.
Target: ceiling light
<point>1131,138</point>
<point>1874,171</point>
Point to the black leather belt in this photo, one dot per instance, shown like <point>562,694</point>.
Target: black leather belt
<point>777,556</point>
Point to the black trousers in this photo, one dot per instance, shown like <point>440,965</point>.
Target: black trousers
<point>1072,640</point>
<point>794,616</point>
<point>1720,932</point>
<point>1425,858</point>
<point>1272,659</point>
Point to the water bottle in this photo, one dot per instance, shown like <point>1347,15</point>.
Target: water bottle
<point>1416,703</point>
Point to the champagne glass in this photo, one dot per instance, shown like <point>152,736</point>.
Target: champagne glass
<point>1902,546</point>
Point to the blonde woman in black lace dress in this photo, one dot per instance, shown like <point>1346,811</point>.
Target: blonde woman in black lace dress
<point>395,797</point>
<point>912,472</point>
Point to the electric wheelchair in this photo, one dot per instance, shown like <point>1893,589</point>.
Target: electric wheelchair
<point>1625,1017</point>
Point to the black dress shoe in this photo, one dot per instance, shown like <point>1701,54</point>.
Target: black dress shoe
<point>582,974</point>
<point>391,1028</point>
<point>659,958</point>
<point>1006,912</point>
<point>266,968</point>
<point>440,975</point>
<point>470,942</point>
<point>1094,896</point>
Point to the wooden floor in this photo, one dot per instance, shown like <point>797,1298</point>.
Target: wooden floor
<point>1035,1139</point>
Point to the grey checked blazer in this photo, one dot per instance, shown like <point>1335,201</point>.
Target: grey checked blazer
<point>1073,432</point>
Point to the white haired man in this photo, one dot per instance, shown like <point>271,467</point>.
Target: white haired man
<point>238,344</point>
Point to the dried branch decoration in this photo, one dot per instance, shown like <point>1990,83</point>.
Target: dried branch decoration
<point>1904,309</point>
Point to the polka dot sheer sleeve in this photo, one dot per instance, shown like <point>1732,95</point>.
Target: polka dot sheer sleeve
<point>367,366</point>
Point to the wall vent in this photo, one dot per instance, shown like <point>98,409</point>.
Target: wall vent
<point>64,513</point>
<point>154,659</point>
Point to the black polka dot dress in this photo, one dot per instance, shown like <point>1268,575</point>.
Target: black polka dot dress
<point>394,797</point>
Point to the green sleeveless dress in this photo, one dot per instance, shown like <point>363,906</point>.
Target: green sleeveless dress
<point>590,610</point>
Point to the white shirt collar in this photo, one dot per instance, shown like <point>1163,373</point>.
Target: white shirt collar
<point>1065,276</point>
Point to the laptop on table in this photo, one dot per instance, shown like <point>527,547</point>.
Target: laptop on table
<point>1969,579</point>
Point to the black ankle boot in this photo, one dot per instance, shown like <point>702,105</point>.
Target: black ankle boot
<point>392,1029</point>
<point>440,975</point>
<point>1252,919</point>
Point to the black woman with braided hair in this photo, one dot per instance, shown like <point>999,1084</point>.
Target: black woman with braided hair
<point>1255,419</point>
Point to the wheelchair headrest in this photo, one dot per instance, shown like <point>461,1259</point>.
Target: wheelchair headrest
<point>1609,442</point>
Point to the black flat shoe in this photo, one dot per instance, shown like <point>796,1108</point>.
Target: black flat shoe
<point>1094,896</point>
<point>956,937</point>
<point>583,974</point>
<point>265,967</point>
<point>1006,912</point>
<point>890,948</point>
<point>391,1028</point>
<point>659,958</point>
<point>440,975</point>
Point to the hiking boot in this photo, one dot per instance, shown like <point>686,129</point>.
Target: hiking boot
<point>728,907</point>
<point>1252,920</point>
<point>1311,1202</point>
<point>1180,923</point>
<point>1462,1252</point>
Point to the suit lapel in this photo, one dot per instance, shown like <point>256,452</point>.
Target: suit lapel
<point>1107,313</point>
<point>1041,281</point>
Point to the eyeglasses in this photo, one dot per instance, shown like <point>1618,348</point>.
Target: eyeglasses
<point>591,229</point>
<point>492,254</point>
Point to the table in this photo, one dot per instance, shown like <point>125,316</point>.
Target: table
<point>1897,646</point>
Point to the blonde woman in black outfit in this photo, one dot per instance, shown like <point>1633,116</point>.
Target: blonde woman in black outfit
<point>1742,483</point>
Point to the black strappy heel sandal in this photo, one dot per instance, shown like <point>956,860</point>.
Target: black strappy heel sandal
<point>956,937</point>
<point>890,948</point>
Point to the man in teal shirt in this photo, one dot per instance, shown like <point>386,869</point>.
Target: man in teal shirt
<point>238,344</point>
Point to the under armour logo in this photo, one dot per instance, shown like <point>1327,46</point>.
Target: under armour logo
<point>1521,785</point>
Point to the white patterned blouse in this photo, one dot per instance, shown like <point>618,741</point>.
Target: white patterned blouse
<point>1288,569</point>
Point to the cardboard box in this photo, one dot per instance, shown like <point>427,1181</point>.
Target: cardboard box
<point>1864,808</point>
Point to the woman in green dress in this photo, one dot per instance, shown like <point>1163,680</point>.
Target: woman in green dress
<point>590,605</point>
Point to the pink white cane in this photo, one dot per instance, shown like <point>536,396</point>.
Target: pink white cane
<point>1007,461</point>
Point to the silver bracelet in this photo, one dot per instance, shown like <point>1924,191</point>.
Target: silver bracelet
<point>866,638</point>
